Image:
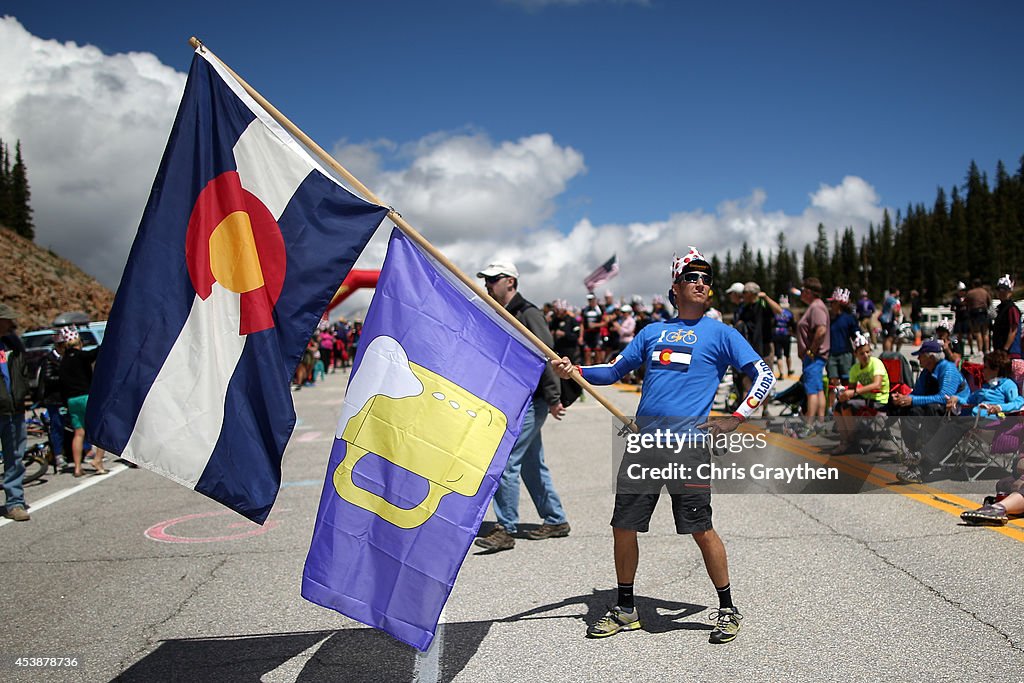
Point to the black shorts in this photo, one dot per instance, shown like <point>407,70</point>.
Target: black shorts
<point>592,340</point>
<point>979,320</point>
<point>782,347</point>
<point>691,511</point>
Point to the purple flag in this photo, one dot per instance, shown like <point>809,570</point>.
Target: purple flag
<point>434,404</point>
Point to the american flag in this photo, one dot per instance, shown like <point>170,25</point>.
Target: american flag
<point>605,272</point>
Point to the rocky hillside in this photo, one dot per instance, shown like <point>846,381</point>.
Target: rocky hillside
<point>40,285</point>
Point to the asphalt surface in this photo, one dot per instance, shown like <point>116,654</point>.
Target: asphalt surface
<point>138,579</point>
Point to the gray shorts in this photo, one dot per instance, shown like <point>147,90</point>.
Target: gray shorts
<point>838,366</point>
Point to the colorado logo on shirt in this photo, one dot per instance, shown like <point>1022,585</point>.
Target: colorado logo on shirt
<point>672,358</point>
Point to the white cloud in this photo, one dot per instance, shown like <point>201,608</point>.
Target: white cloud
<point>92,129</point>
<point>553,265</point>
<point>464,184</point>
<point>852,197</point>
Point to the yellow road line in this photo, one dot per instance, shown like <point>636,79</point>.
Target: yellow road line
<point>940,500</point>
<point>922,493</point>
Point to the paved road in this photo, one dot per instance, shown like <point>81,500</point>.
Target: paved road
<point>143,580</point>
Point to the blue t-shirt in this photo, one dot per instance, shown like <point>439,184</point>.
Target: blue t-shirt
<point>841,331</point>
<point>685,361</point>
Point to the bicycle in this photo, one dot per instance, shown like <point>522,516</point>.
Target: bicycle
<point>37,459</point>
<point>39,456</point>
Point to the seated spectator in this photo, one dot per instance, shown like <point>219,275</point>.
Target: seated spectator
<point>868,388</point>
<point>998,394</point>
<point>1009,500</point>
<point>938,382</point>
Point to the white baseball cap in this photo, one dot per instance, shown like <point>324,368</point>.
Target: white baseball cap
<point>496,268</point>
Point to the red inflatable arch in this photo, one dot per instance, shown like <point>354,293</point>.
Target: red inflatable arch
<point>356,280</point>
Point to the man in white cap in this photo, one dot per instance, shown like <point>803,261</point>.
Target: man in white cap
<point>685,358</point>
<point>735,293</point>
<point>14,390</point>
<point>527,456</point>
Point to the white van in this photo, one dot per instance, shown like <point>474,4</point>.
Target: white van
<point>930,317</point>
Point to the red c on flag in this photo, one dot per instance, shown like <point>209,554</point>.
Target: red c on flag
<point>234,240</point>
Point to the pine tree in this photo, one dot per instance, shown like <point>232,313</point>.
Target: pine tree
<point>978,213</point>
<point>884,254</point>
<point>5,184</point>
<point>810,264</point>
<point>783,279</point>
<point>20,219</point>
<point>848,274</point>
<point>941,240</point>
<point>958,228</point>
<point>760,275</point>
<point>1006,221</point>
<point>822,260</point>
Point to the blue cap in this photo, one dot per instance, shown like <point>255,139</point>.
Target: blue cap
<point>930,346</point>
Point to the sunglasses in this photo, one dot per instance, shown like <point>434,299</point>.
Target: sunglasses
<point>694,278</point>
<point>491,279</point>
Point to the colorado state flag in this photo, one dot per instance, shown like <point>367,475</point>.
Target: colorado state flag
<point>434,404</point>
<point>243,242</point>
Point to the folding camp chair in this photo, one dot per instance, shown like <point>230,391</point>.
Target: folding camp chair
<point>989,443</point>
<point>876,427</point>
<point>898,368</point>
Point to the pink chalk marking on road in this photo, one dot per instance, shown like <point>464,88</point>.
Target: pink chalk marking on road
<point>160,531</point>
<point>308,436</point>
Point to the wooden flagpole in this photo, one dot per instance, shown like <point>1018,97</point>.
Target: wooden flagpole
<point>412,233</point>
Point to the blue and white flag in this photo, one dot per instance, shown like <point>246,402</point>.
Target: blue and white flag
<point>434,404</point>
<point>243,242</point>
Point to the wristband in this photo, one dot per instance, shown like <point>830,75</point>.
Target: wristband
<point>739,417</point>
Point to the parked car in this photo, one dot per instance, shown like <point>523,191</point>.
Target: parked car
<point>39,342</point>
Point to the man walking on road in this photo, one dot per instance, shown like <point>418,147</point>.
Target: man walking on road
<point>13,436</point>
<point>685,359</point>
<point>527,456</point>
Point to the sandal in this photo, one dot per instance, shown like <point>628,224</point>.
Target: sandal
<point>100,470</point>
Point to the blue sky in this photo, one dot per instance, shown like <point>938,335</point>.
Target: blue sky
<point>556,133</point>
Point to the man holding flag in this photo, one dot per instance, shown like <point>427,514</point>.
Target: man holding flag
<point>685,358</point>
